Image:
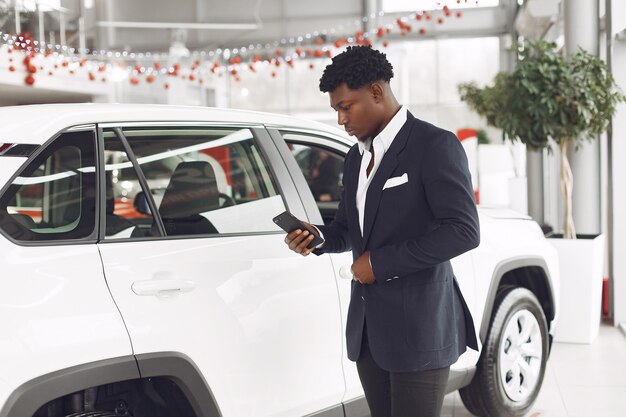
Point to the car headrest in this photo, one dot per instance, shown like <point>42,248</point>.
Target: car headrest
<point>192,190</point>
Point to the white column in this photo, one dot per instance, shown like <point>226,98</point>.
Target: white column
<point>582,30</point>
<point>618,68</point>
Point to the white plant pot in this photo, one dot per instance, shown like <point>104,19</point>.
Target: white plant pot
<point>581,264</point>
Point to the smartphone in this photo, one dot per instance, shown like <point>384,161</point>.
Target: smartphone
<point>288,222</point>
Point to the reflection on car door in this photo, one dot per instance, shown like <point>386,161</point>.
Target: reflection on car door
<point>260,322</point>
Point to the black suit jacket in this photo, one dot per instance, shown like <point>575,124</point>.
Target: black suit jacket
<point>416,316</point>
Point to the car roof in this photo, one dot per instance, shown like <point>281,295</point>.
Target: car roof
<point>35,124</point>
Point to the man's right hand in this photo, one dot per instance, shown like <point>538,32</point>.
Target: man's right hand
<point>298,240</point>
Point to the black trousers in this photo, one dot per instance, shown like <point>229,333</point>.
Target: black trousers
<point>401,394</point>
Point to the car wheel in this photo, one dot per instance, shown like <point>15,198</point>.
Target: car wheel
<point>512,364</point>
<point>95,414</point>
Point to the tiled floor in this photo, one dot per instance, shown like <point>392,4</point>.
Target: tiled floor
<point>580,381</point>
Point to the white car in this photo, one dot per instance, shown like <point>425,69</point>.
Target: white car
<point>183,300</point>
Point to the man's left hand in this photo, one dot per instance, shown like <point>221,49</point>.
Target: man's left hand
<point>362,269</point>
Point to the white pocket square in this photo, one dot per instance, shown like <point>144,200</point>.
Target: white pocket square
<point>395,181</point>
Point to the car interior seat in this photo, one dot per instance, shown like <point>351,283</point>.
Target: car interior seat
<point>192,190</point>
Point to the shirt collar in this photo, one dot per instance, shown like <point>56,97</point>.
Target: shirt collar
<point>390,131</point>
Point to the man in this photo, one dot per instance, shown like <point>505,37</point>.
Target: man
<point>407,209</point>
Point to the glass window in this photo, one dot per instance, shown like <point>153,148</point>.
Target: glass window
<point>126,211</point>
<point>323,171</point>
<point>203,181</point>
<point>54,197</point>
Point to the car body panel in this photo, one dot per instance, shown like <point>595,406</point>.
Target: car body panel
<point>48,321</point>
<point>52,118</point>
<point>247,321</point>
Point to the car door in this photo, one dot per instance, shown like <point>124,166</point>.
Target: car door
<point>56,310</point>
<point>312,152</point>
<point>210,276</point>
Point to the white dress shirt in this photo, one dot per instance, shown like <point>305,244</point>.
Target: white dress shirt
<point>381,144</point>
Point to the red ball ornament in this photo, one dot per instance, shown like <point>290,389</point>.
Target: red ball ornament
<point>381,32</point>
<point>31,69</point>
<point>440,20</point>
<point>368,42</point>
<point>50,73</point>
<point>92,77</point>
<point>278,52</point>
<point>422,31</point>
<point>277,63</point>
<point>156,65</point>
<point>12,68</point>
<point>64,63</point>
<point>418,17</point>
<point>459,14</point>
<point>319,41</point>
<point>192,77</point>
<point>273,74</point>
<point>329,54</point>
<point>233,72</point>
<point>150,79</point>
<point>318,53</point>
<point>385,44</point>
<point>29,80</point>
<point>134,81</point>
<point>428,17</point>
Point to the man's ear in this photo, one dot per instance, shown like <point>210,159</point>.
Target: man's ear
<point>377,91</point>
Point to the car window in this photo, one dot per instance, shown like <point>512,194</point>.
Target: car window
<point>322,169</point>
<point>203,181</point>
<point>54,197</point>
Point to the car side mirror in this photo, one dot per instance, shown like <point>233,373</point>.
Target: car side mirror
<point>141,204</point>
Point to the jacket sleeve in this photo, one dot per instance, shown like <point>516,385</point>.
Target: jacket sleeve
<point>448,189</point>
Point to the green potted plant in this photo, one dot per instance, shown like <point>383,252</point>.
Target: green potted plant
<point>568,100</point>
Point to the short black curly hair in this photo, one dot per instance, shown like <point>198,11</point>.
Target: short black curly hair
<point>357,66</point>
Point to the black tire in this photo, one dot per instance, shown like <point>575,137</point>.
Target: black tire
<point>94,414</point>
<point>488,395</point>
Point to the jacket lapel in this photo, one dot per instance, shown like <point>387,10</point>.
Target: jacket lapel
<point>386,167</point>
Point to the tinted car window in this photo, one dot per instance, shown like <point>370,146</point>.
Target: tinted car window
<point>53,198</point>
<point>203,181</point>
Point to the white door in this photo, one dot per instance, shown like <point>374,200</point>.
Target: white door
<point>56,311</point>
<point>262,323</point>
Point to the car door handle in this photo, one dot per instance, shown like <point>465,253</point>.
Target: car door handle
<point>162,286</point>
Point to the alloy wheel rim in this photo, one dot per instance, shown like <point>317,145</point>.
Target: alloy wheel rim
<point>520,356</point>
